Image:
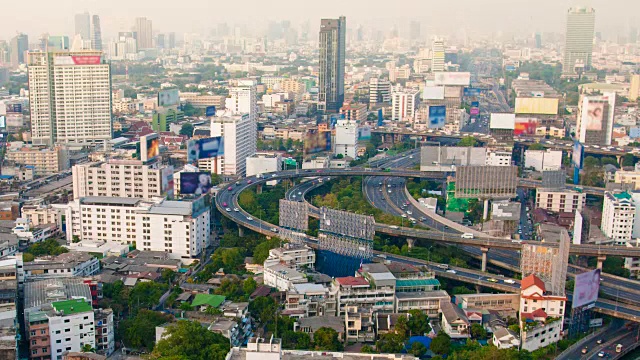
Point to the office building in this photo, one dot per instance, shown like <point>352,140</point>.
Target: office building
<point>332,57</point>
<point>123,178</point>
<point>578,40</point>
<point>414,30</point>
<point>96,36</point>
<point>404,104</point>
<point>437,55</point>
<point>19,45</point>
<point>618,216</point>
<point>180,228</point>
<point>83,25</point>
<point>542,160</point>
<point>495,157</point>
<point>203,101</point>
<point>541,313</point>
<point>163,118</point>
<point>243,99</point>
<point>379,91</point>
<point>261,163</point>
<point>346,138</point>
<point>144,33</point>
<point>634,89</point>
<point>69,97</point>
<point>594,124</point>
<point>356,112</point>
<point>57,43</point>
<point>240,142</point>
<point>45,161</point>
<point>560,200</point>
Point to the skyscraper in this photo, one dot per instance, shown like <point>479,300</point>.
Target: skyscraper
<point>69,97</point>
<point>437,55</point>
<point>172,40</point>
<point>414,30</point>
<point>579,39</point>
<point>19,44</point>
<point>83,25</point>
<point>332,56</point>
<point>144,31</point>
<point>594,124</point>
<point>96,39</point>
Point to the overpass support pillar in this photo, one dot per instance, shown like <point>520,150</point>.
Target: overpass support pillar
<point>484,258</point>
<point>619,159</point>
<point>410,243</point>
<point>485,210</point>
<point>240,231</point>
<point>259,189</point>
<point>601,259</point>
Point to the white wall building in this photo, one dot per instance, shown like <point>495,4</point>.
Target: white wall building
<point>544,311</point>
<point>69,97</point>
<point>542,160</point>
<point>243,99</point>
<point>291,255</point>
<point>282,277</point>
<point>346,138</point>
<point>618,217</point>
<point>404,104</point>
<point>437,55</point>
<point>240,142</point>
<point>560,201</point>
<point>498,158</point>
<point>71,327</point>
<point>123,178</point>
<point>261,163</point>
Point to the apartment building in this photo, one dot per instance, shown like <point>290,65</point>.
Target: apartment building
<point>9,278</point>
<point>282,277</point>
<point>618,216</point>
<point>201,101</point>
<point>359,324</point>
<point>45,161</point>
<point>628,177</point>
<point>240,142</point>
<point>560,201</point>
<point>498,158</point>
<point>541,314</point>
<point>64,265</point>
<point>356,112</point>
<point>309,300</point>
<point>180,228</point>
<point>123,178</point>
<point>454,321</point>
<point>404,104</point>
<point>292,255</point>
<point>374,288</point>
<point>379,91</point>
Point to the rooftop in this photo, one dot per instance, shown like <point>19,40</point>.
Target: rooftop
<point>206,299</point>
<point>44,292</point>
<point>352,281</point>
<point>532,280</point>
<point>417,282</point>
<point>74,306</point>
<point>104,200</point>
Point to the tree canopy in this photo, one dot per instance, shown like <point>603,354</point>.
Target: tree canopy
<point>189,340</point>
<point>140,331</point>
<point>326,339</point>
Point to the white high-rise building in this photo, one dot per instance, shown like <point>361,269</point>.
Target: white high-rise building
<point>437,55</point>
<point>83,25</point>
<point>243,99</point>
<point>123,178</point>
<point>618,216</point>
<point>69,97</point>
<point>404,104</point>
<point>379,91</point>
<point>594,124</point>
<point>240,142</point>
<point>579,39</point>
<point>144,31</point>
<point>346,138</point>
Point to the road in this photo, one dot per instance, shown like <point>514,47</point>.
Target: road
<point>624,336</point>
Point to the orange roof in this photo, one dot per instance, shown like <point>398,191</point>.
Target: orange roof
<point>530,281</point>
<point>352,281</point>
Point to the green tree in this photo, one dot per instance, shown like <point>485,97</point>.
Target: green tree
<point>185,306</point>
<point>326,339</point>
<point>536,146</point>
<point>296,340</point>
<point>86,348</point>
<point>191,341</point>
<point>418,349</point>
<point>609,161</point>
<point>591,162</point>
<point>461,290</point>
<point>402,327</point>
<point>418,323</point>
<point>478,331</point>
<point>390,343</point>
<point>263,309</point>
<point>139,331</point>
<point>441,344</point>
<point>186,129</point>
<point>468,141</point>
<point>628,160</point>
<point>27,257</point>
<point>367,349</point>
<point>167,275</point>
<point>261,251</point>
<point>249,286</point>
<point>146,295</point>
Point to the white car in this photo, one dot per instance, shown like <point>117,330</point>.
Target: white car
<point>409,212</point>
<point>227,209</point>
<point>509,281</point>
<point>467,236</point>
<point>451,271</point>
<point>236,209</point>
<point>389,191</point>
<point>403,215</point>
<point>249,218</point>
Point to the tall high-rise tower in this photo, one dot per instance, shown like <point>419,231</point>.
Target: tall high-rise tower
<point>96,39</point>
<point>69,97</point>
<point>144,31</point>
<point>19,44</point>
<point>579,39</point>
<point>83,25</point>
<point>332,56</point>
<point>437,55</point>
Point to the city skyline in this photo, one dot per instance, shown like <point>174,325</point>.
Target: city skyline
<point>445,19</point>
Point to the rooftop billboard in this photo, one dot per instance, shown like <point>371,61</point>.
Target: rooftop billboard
<point>586,288</point>
<point>536,105</point>
<point>502,121</point>
<point>452,78</point>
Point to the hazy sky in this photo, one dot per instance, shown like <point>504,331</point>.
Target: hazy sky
<point>55,17</point>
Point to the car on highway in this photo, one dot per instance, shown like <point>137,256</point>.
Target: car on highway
<point>227,210</point>
<point>236,209</point>
<point>409,212</point>
<point>451,271</point>
<point>443,266</point>
<point>599,341</point>
<point>510,281</point>
<point>602,354</point>
<point>224,204</point>
<point>492,280</point>
<point>275,230</point>
<point>394,227</point>
<point>230,188</point>
<point>404,215</point>
<point>250,182</point>
<point>249,218</point>
<point>389,191</point>
<point>467,236</point>
<point>422,218</point>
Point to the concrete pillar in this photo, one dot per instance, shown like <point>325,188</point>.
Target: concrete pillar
<point>619,159</point>
<point>410,243</point>
<point>478,288</point>
<point>484,258</point>
<point>240,231</point>
<point>485,210</point>
<point>259,189</point>
<point>601,259</point>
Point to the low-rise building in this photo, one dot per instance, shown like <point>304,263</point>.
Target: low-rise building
<point>309,300</point>
<point>454,321</point>
<point>504,338</point>
<point>359,324</point>
<point>292,255</point>
<point>261,163</point>
<point>426,301</point>
<point>45,161</point>
<point>310,325</point>
<point>560,201</point>
<point>541,314</point>
<point>64,265</point>
<point>282,277</point>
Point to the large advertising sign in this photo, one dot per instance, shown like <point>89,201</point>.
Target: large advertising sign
<point>15,108</point>
<point>205,148</point>
<point>471,92</point>
<point>537,106</point>
<point>77,60</point>
<point>437,116</point>
<point>167,181</point>
<point>586,288</point>
<point>577,154</point>
<point>475,108</point>
<point>317,141</point>
<point>149,147</point>
<point>210,111</point>
<point>452,78</point>
<point>503,121</point>
<point>433,93</point>
<point>195,183</point>
<point>594,115</point>
<point>525,126</point>
<point>168,97</point>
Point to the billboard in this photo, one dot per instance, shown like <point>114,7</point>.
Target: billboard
<point>474,111</point>
<point>525,126</point>
<point>15,108</point>
<point>433,93</point>
<point>586,288</point>
<point>597,322</point>
<point>577,154</point>
<point>502,121</point>
<point>167,181</point>
<point>294,215</point>
<point>205,148</point>
<point>149,147</point>
<point>471,92</point>
<point>577,228</point>
<point>196,183</point>
<point>453,78</point>
<point>77,60</point>
<point>594,115</point>
<point>536,105</point>
<point>437,116</point>
<point>210,111</point>
<point>317,141</point>
<point>168,97</point>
